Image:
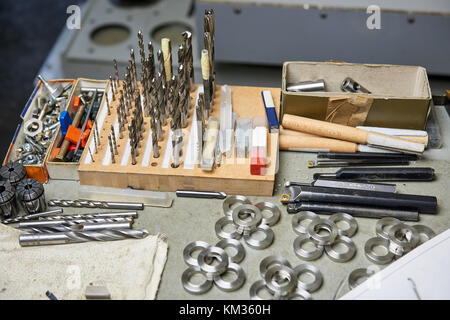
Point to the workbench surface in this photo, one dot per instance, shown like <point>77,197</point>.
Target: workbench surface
<point>193,219</point>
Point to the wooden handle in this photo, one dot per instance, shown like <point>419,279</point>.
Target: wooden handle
<point>325,129</point>
<point>288,132</point>
<point>305,143</point>
<point>66,144</point>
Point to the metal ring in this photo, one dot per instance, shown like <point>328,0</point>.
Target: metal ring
<point>410,239</point>
<point>300,293</point>
<point>308,268</point>
<point>350,220</point>
<point>269,206</point>
<point>374,257</point>
<point>424,230</point>
<point>299,217</point>
<point>232,200</point>
<point>383,223</point>
<point>318,224</point>
<point>191,247</point>
<point>29,123</point>
<point>221,233</point>
<point>240,254</point>
<point>231,285</point>
<point>356,275</point>
<point>260,244</point>
<point>209,253</point>
<point>246,226</point>
<point>341,257</point>
<point>270,261</point>
<point>280,272</point>
<point>195,288</point>
<point>256,287</point>
<point>304,254</point>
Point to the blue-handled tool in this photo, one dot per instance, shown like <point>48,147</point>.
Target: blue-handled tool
<point>270,111</point>
<point>65,121</point>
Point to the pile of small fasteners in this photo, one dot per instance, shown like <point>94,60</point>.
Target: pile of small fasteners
<point>311,234</point>
<point>282,282</point>
<point>247,220</point>
<point>212,272</point>
<point>396,238</point>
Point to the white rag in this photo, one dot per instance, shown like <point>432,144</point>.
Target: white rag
<point>130,269</point>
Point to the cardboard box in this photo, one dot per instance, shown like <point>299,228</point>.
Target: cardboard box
<point>401,94</point>
<point>69,170</point>
<point>38,171</point>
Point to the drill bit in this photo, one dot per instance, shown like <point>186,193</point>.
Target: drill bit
<point>80,236</point>
<point>155,146</point>
<point>107,104</point>
<point>32,216</point>
<point>187,38</point>
<point>206,83</point>
<point>184,97</point>
<point>95,142</point>
<point>96,131</point>
<point>113,84</point>
<point>151,60</point>
<point>73,225</point>
<point>116,73</point>
<point>92,217</point>
<point>111,147</point>
<point>90,153</point>
<point>113,135</point>
<point>96,204</point>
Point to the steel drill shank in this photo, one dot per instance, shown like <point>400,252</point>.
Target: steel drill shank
<point>96,204</point>
<point>77,227</point>
<point>40,239</point>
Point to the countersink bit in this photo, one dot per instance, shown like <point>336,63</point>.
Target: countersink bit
<point>111,147</point>
<point>96,204</point>
<point>80,236</point>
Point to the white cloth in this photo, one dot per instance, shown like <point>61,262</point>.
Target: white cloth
<point>130,269</point>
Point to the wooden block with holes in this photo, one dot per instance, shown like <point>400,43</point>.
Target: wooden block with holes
<point>148,173</point>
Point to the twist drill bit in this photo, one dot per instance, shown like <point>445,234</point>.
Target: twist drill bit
<point>206,83</point>
<point>116,73</point>
<point>96,204</point>
<point>96,131</point>
<point>80,236</point>
<point>107,104</point>
<point>95,143</point>
<point>45,226</point>
<point>32,216</point>
<point>155,146</point>
<point>113,86</point>
<point>187,38</point>
<point>113,135</point>
<point>111,147</point>
<point>151,60</point>
<point>76,219</point>
<point>184,97</point>
<point>90,153</point>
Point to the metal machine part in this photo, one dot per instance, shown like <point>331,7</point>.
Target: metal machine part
<point>8,203</point>
<point>231,201</point>
<point>425,231</point>
<point>270,261</point>
<point>341,257</point>
<point>298,218</point>
<point>229,286</point>
<point>40,239</point>
<point>306,254</point>
<point>355,277</point>
<point>300,294</point>
<point>33,216</point>
<point>30,194</point>
<point>274,210</point>
<point>190,248</point>
<point>353,225</point>
<point>280,280</point>
<point>195,288</point>
<point>383,225</point>
<point>310,269</point>
<point>62,220</point>
<point>375,257</point>
<point>54,90</point>
<point>366,155</point>
<point>14,172</point>
<point>306,86</point>
<point>322,224</point>
<point>62,227</point>
<point>380,174</point>
<point>244,225</point>
<point>255,289</point>
<point>381,187</point>
<point>221,233</point>
<point>96,204</point>
<point>328,163</point>
<point>200,194</point>
<point>402,239</point>
<point>240,251</point>
<point>260,244</point>
<point>350,85</point>
<point>205,258</point>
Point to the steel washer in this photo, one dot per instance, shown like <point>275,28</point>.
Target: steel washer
<point>256,287</point>
<point>350,220</point>
<point>322,224</point>
<point>357,274</point>
<point>240,254</point>
<point>269,206</point>
<point>260,244</point>
<point>195,288</point>
<point>278,272</point>
<point>300,293</point>
<point>246,226</point>
<point>304,254</point>
<point>400,247</point>
<point>383,223</point>
<point>299,217</point>
<point>206,256</point>
<point>270,261</point>
<point>424,230</point>
<point>341,257</point>
<point>229,286</point>
<point>191,247</point>
<point>309,268</point>
<point>374,257</point>
<point>232,200</point>
<point>221,233</point>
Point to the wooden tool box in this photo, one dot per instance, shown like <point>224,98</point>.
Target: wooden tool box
<point>38,172</point>
<point>154,174</point>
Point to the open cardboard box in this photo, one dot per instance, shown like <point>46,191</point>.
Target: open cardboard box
<point>401,94</point>
<point>69,170</point>
<point>37,171</point>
